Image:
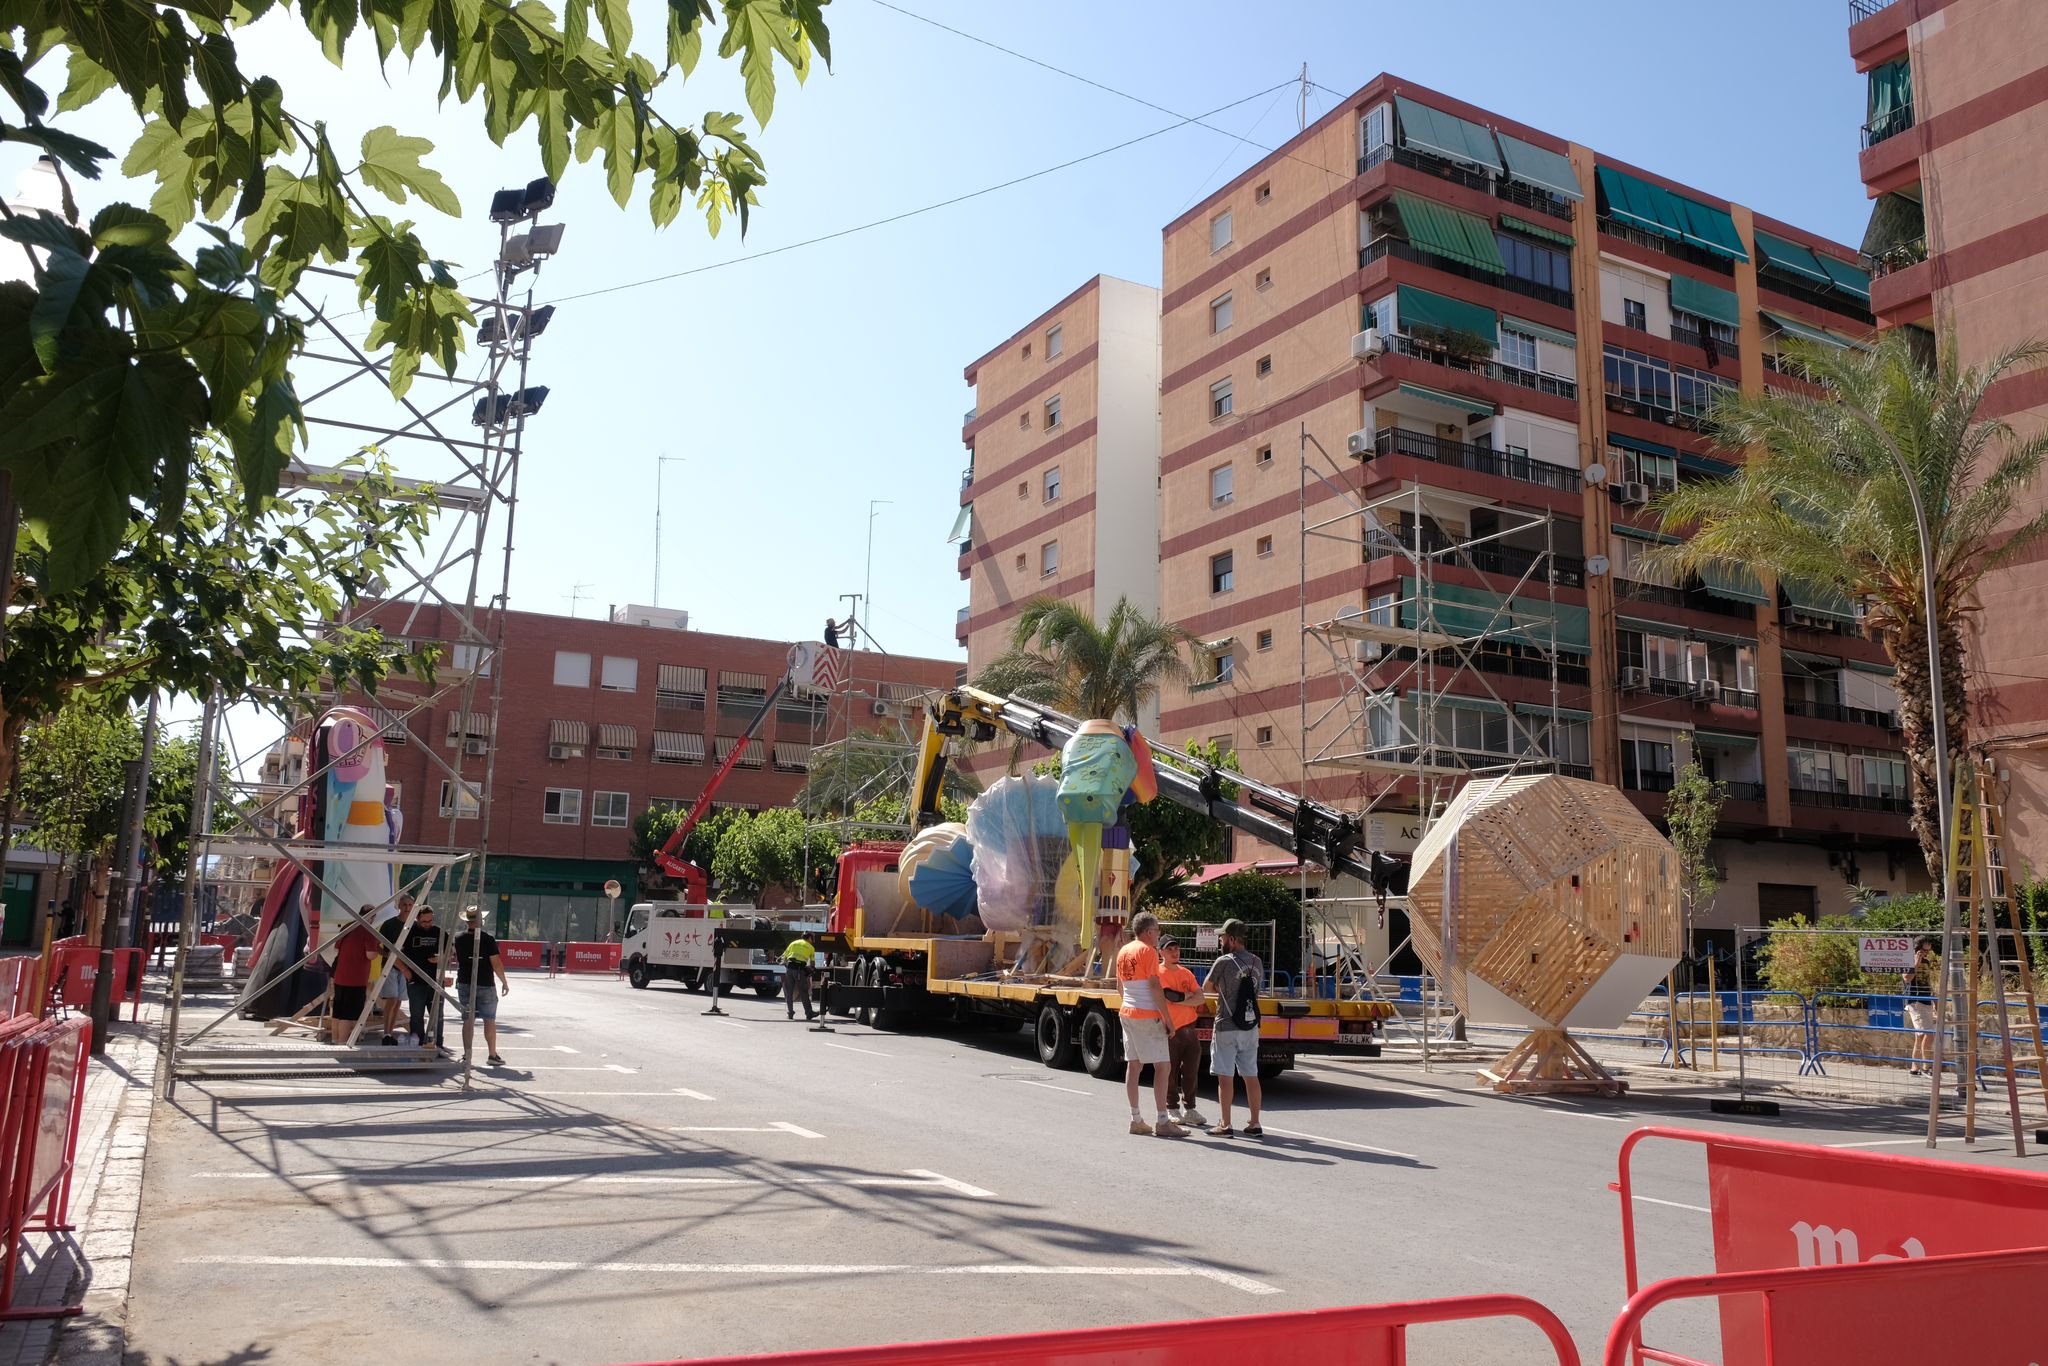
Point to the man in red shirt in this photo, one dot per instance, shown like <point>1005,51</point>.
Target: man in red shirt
<point>1184,1049</point>
<point>1144,1025</point>
<point>351,977</point>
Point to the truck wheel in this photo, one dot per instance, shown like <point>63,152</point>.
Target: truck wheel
<point>866,973</point>
<point>1269,1070</point>
<point>1102,1054</point>
<point>768,992</point>
<point>636,973</point>
<point>689,978</point>
<point>1057,1045</point>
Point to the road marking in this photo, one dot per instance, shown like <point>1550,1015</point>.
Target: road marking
<point>1070,1090</point>
<point>778,1127</point>
<point>1673,1204</point>
<point>607,1067</point>
<point>539,1048</point>
<point>1558,1108</point>
<point>1882,1143</point>
<point>849,1048</point>
<point>1173,1268</point>
<point>417,1176</point>
<point>1343,1143</point>
<point>693,1095</point>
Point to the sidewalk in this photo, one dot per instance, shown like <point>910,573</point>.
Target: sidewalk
<point>90,1265</point>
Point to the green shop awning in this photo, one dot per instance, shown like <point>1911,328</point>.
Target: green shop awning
<point>1529,621</point>
<point>1703,300</point>
<point>1549,334</point>
<point>1818,600</point>
<point>1654,209</point>
<point>962,523</point>
<point>1420,308</point>
<point>1446,135</point>
<point>1794,327</point>
<point>1539,167</point>
<point>1733,582</point>
<point>1789,258</point>
<point>1537,230</point>
<point>1463,237</point>
<point>1851,280</point>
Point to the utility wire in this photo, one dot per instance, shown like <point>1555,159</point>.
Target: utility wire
<point>924,209</point>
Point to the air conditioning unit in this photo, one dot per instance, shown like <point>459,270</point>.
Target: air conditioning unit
<point>1371,651</point>
<point>879,707</point>
<point>1629,493</point>
<point>554,751</point>
<point>1706,690</point>
<point>1368,345</point>
<point>1359,443</point>
<point>1634,679</point>
<point>476,747</point>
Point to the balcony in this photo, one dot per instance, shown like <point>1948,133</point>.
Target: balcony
<point>1648,780</point>
<point>1688,599</point>
<point>968,421</point>
<point>1859,10</point>
<point>1841,799</point>
<point>1493,370</point>
<point>1404,251</point>
<point>1693,337</point>
<point>1512,191</point>
<point>1888,126</point>
<point>1667,246</point>
<point>1568,571</point>
<point>960,624</point>
<point>1899,256</point>
<point>1744,791</point>
<point>1466,456</point>
<point>967,477</point>
<point>1835,711</point>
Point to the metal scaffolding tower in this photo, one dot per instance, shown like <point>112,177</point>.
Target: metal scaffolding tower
<point>445,603</point>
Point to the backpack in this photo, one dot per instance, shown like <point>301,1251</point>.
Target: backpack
<point>1244,1001</point>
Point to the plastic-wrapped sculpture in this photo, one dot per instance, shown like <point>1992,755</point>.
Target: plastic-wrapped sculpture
<point>1548,903</point>
<point>1019,841</point>
<point>936,872</point>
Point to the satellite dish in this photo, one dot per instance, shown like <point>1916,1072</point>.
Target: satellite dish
<point>1596,473</point>
<point>1350,611</point>
<point>1596,565</point>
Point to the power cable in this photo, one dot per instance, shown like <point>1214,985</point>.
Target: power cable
<point>1243,139</point>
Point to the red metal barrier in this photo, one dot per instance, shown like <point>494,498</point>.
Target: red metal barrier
<point>72,973</point>
<point>17,982</point>
<point>1776,1205</point>
<point>1368,1335</point>
<point>590,957</point>
<point>42,1086</point>
<point>521,955</point>
<point>1964,1307</point>
<point>226,942</point>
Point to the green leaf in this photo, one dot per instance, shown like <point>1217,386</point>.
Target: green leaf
<point>331,21</point>
<point>575,25</point>
<point>391,165</point>
<point>23,91</point>
<point>261,458</point>
<point>82,155</point>
<point>62,297</point>
<point>125,225</point>
<point>88,80</point>
<point>617,22</point>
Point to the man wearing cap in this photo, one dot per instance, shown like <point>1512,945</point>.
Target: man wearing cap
<point>1236,977</point>
<point>1184,1049</point>
<point>477,963</point>
<point>1144,1024</point>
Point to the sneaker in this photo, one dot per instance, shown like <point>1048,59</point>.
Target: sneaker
<point>1166,1128</point>
<point>1193,1119</point>
<point>390,1041</point>
<point>1254,1131</point>
<point>1223,1131</point>
<point>1173,1113</point>
<point>1139,1126</point>
<point>495,1061</point>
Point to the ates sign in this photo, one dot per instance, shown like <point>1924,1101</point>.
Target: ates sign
<point>1884,952</point>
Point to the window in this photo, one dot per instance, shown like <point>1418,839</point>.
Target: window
<point>1645,764</point>
<point>619,675</point>
<point>1055,341</point>
<point>1225,744</point>
<point>1024,419</point>
<point>1048,559</point>
<point>1265,640</point>
<point>1052,412</point>
<point>474,659</point>
<point>1023,488</point>
<point>1538,265</point>
<point>1052,484</point>
<point>1219,231</point>
<point>609,809</point>
<point>1263,193</point>
<point>1264,456</point>
<point>1219,313</point>
<point>1660,472</point>
<point>1219,485</point>
<point>1375,131</point>
<point>1020,562</point>
<point>1027,350</point>
<point>1264,279</point>
<point>1634,316</point>
<point>1219,399</point>
<point>1636,378</point>
<point>460,803</point>
<point>615,752</point>
<point>572,670</point>
<point>1265,735</point>
<point>1629,554</point>
<point>562,806</point>
<point>1222,574</point>
<point>1226,665</point>
<point>1264,366</point>
<point>1517,349</point>
<point>1264,547</point>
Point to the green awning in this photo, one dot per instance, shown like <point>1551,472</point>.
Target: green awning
<point>1635,202</point>
<point>1420,308</point>
<point>1656,210</point>
<point>1712,229</point>
<point>1864,666</point>
<point>1561,713</point>
<point>1537,230</point>
<point>1891,89</point>
<point>1468,611</point>
<point>1636,533</point>
<point>1704,464</point>
<point>1851,280</point>
<point>1724,737</point>
<point>1463,237</point>
<point>1794,327</point>
<point>1540,167</point>
<point>962,523</point>
<point>1460,403</point>
<point>1451,699</point>
<point>1703,300</point>
<point>1733,582</point>
<point>1896,220</point>
<point>1818,600</point>
<point>1446,135</point>
<point>1549,334</point>
<point>1789,258</point>
<point>1637,444</point>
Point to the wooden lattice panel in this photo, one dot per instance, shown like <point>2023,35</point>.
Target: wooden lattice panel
<point>1566,905</point>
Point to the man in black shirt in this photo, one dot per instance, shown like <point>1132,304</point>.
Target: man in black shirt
<point>423,947</point>
<point>479,980</point>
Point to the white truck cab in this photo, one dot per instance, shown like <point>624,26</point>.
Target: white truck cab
<point>672,940</point>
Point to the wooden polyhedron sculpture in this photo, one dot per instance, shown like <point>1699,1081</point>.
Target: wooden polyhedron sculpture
<point>1545,902</point>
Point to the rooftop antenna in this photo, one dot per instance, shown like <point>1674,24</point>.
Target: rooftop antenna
<point>1301,102</point>
<point>661,464</point>
<point>576,595</point>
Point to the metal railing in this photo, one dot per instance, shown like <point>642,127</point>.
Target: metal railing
<point>1489,369</point>
<point>1479,459</point>
<point>1835,711</point>
<point>1691,599</point>
<point>1896,257</point>
<point>1568,570</point>
<point>968,421</point>
<point>1651,780</point>
<point>1888,126</point>
<point>1739,791</point>
<point>1859,10</point>
<point>1694,337</point>
<point>1668,246</point>
<point>1836,799</point>
<point>1515,192</point>
<point>1408,251</point>
<point>1512,191</point>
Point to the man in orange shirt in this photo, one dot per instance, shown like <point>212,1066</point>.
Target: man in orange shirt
<point>1183,1048</point>
<point>1144,1026</point>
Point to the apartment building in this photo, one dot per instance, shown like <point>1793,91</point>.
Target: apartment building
<point>1059,497</point>
<point>1952,159</point>
<point>600,720</point>
<point>1421,369</point>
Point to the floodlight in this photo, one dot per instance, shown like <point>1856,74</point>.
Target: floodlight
<point>506,206</point>
<point>539,195</point>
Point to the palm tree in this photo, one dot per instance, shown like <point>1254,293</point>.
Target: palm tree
<point>1060,656</point>
<point>1821,501</point>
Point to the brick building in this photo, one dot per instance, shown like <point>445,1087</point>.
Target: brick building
<point>601,720</point>
<point>1952,158</point>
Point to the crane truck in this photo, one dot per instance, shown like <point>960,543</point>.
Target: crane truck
<point>890,967</point>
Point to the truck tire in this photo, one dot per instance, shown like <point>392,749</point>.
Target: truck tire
<point>693,978</point>
<point>637,975</point>
<point>866,973</point>
<point>768,992</point>
<point>1270,1070</point>
<point>1057,1046</point>
<point>1102,1052</point>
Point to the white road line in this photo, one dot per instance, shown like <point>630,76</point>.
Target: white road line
<point>1556,1108</point>
<point>1070,1090</point>
<point>1342,1143</point>
<point>416,1176</point>
<point>1673,1204</point>
<point>539,1048</point>
<point>1884,1143</point>
<point>606,1067</point>
<point>693,1095</point>
<point>849,1048</point>
<point>799,1130</point>
<point>778,1127</point>
<point>1173,1268</point>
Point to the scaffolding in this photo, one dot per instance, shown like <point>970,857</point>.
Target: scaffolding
<point>445,603</point>
<point>878,724</point>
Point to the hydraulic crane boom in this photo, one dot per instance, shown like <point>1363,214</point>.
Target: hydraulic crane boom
<point>1313,832</point>
<point>696,882</point>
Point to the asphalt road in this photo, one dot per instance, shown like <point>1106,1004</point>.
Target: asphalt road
<point>645,1183</point>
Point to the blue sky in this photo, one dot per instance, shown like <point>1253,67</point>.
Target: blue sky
<point>799,386</point>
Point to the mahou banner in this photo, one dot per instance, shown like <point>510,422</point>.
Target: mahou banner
<point>1795,1206</point>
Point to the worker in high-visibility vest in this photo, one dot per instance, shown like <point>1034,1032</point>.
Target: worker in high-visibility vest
<point>796,975</point>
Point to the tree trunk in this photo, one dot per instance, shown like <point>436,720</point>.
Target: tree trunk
<point>1907,645</point>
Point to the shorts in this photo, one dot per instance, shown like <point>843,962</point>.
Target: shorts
<point>392,988</point>
<point>1920,1015</point>
<point>348,1001</point>
<point>1145,1041</point>
<point>1234,1053</point>
<point>486,1001</point>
